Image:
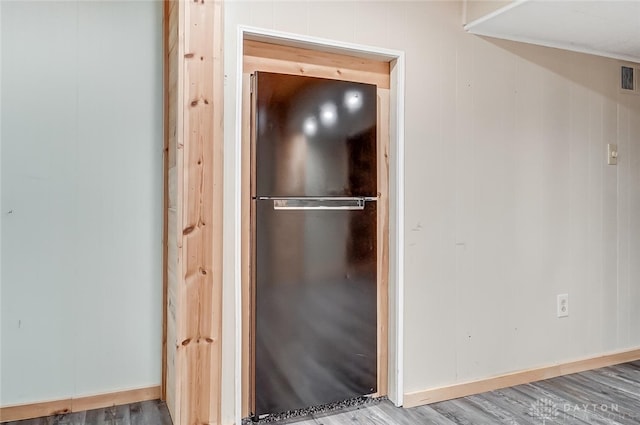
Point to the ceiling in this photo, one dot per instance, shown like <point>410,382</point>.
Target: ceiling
<point>604,28</point>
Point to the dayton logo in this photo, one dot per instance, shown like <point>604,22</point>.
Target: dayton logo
<point>544,409</point>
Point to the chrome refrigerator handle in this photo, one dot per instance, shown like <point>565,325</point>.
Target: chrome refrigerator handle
<point>318,203</point>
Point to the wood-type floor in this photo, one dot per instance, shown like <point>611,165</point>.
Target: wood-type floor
<point>607,396</point>
<point>152,412</point>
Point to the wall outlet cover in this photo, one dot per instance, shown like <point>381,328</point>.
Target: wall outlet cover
<point>563,305</point>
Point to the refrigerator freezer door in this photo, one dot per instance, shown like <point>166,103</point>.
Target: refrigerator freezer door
<point>314,136</point>
<point>316,333</point>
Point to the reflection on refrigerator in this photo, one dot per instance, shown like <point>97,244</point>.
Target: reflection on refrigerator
<point>314,335</point>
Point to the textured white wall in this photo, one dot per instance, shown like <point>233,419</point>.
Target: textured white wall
<point>509,200</point>
<point>476,9</point>
<point>81,174</point>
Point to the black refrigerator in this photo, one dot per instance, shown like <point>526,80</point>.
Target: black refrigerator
<point>314,272</point>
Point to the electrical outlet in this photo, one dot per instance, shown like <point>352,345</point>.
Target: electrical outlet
<point>563,305</point>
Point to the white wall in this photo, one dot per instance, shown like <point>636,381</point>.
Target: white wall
<point>81,158</point>
<point>476,9</point>
<point>509,200</point>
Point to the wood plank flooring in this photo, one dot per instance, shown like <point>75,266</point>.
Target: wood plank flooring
<point>152,412</point>
<point>607,396</point>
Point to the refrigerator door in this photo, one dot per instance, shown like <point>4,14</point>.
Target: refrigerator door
<point>313,136</point>
<point>315,302</point>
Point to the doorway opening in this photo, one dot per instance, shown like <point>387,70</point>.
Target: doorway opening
<point>269,51</point>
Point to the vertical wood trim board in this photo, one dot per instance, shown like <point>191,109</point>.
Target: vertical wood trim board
<point>194,139</point>
<point>56,407</point>
<point>165,185</point>
<point>383,241</point>
<point>174,50</point>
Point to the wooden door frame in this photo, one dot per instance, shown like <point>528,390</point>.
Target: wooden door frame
<point>269,57</point>
<point>394,325</point>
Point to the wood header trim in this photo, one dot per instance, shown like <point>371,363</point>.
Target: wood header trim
<point>69,405</point>
<point>270,57</point>
<point>435,395</point>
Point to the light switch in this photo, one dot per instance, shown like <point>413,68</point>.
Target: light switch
<point>612,154</point>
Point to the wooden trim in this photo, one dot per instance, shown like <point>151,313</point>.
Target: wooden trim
<point>174,12</point>
<point>56,407</point>
<point>383,241</point>
<point>165,195</point>
<point>114,399</point>
<point>298,61</point>
<point>517,378</point>
<point>35,410</point>
<point>194,188</point>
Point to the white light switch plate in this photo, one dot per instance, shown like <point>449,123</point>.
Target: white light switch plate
<point>612,154</point>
